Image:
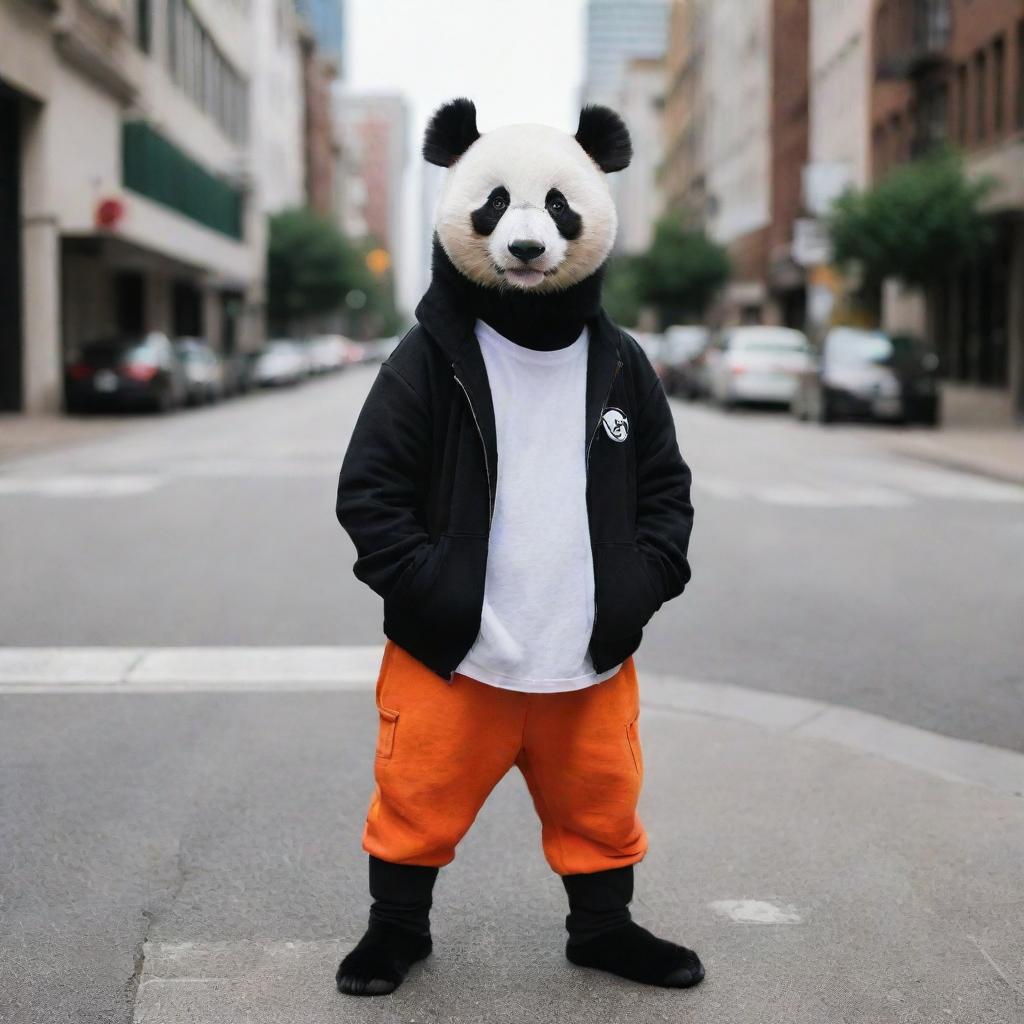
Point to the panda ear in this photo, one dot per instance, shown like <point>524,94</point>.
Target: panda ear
<point>605,137</point>
<point>451,131</point>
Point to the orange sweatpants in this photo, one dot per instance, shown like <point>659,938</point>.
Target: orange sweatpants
<point>442,747</point>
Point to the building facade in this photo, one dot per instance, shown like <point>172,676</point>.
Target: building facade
<point>682,173</point>
<point>277,96</point>
<point>789,145</point>
<point>125,181</point>
<point>373,129</point>
<point>638,195</point>
<point>738,121</point>
<point>952,72</point>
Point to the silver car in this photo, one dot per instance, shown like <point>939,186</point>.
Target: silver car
<point>758,364</point>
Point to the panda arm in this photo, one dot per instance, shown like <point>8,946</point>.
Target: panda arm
<point>664,514</point>
<point>383,483</point>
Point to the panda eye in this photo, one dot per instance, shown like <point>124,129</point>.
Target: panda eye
<point>498,203</point>
<point>556,205</point>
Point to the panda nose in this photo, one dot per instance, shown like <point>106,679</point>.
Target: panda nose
<point>525,249</point>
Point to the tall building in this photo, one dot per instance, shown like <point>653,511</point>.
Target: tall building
<point>682,175</point>
<point>321,145</point>
<point>616,32</point>
<point>638,193</point>
<point>840,49</point>
<point>277,99</point>
<point>326,19</point>
<point>126,200</point>
<point>373,129</point>
<point>952,71</point>
<point>736,142</point>
<point>738,119</point>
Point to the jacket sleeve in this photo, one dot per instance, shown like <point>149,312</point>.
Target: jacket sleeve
<point>664,513</point>
<point>383,483</point>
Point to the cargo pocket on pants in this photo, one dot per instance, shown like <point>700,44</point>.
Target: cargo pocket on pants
<point>633,739</point>
<point>386,733</point>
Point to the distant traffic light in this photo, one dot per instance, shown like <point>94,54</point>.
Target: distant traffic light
<point>378,261</point>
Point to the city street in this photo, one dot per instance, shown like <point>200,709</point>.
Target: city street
<point>180,829</point>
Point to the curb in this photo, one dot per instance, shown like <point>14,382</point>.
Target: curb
<point>171,670</point>
<point>960,465</point>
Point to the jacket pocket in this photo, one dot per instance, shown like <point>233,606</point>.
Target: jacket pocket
<point>624,595</point>
<point>439,605</point>
<point>386,732</point>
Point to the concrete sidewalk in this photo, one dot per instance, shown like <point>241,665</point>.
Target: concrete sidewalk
<point>993,453</point>
<point>820,878</point>
<point>24,435</point>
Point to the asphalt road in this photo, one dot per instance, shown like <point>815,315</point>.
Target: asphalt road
<point>823,566</point>
<point>222,829</point>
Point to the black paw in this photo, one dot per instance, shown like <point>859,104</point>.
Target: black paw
<point>380,960</point>
<point>633,952</point>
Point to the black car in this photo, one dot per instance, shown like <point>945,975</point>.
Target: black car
<point>867,374</point>
<point>140,372</point>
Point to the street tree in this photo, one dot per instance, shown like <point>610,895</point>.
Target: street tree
<point>922,221</point>
<point>681,272</point>
<point>311,268</point>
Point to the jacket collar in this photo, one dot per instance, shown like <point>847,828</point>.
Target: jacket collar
<point>448,312</point>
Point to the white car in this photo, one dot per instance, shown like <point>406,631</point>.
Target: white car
<point>326,353</point>
<point>757,364</point>
<point>282,362</point>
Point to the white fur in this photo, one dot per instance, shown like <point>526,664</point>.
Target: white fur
<point>528,160</point>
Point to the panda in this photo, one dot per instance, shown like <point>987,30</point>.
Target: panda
<point>516,496</point>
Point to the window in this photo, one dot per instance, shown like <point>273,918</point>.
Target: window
<point>980,96</point>
<point>143,33</point>
<point>998,84</point>
<point>199,68</point>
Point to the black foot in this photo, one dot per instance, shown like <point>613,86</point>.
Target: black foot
<point>381,960</point>
<point>633,952</point>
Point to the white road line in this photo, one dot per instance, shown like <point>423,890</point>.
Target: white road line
<point>177,669</point>
<point>80,486</point>
<point>139,670</point>
<point>755,912</point>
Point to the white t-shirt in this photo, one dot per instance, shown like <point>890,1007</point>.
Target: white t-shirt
<point>538,610</point>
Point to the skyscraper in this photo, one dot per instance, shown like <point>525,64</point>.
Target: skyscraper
<point>617,32</point>
<point>327,20</point>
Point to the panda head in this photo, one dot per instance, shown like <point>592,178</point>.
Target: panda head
<point>526,207</point>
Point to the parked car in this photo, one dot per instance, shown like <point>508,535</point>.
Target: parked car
<point>128,372</point>
<point>326,353</point>
<point>204,374</point>
<point>863,374</point>
<point>283,361</point>
<point>757,364</point>
<point>681,356</point>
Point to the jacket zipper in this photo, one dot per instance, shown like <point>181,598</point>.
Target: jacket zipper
<point>608,394</point>
<point>483,444</point>
<point>590,444</point>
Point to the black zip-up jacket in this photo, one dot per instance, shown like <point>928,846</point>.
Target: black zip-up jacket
<point>417,488</point>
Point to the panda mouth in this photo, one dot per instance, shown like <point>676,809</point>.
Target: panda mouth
<point>525,277</point>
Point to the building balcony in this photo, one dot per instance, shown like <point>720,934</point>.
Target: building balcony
<point>911,37</point>
<point>155,168</point>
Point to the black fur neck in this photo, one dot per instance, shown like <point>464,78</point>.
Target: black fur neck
<point>544,322</point>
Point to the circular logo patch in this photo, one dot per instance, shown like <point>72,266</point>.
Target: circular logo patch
<point>616,426</point>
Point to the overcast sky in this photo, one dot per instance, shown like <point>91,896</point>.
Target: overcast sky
<point>518,60</point>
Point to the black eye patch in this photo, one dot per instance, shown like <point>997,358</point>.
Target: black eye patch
<point>567,220</point>
<point>486,218</point>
